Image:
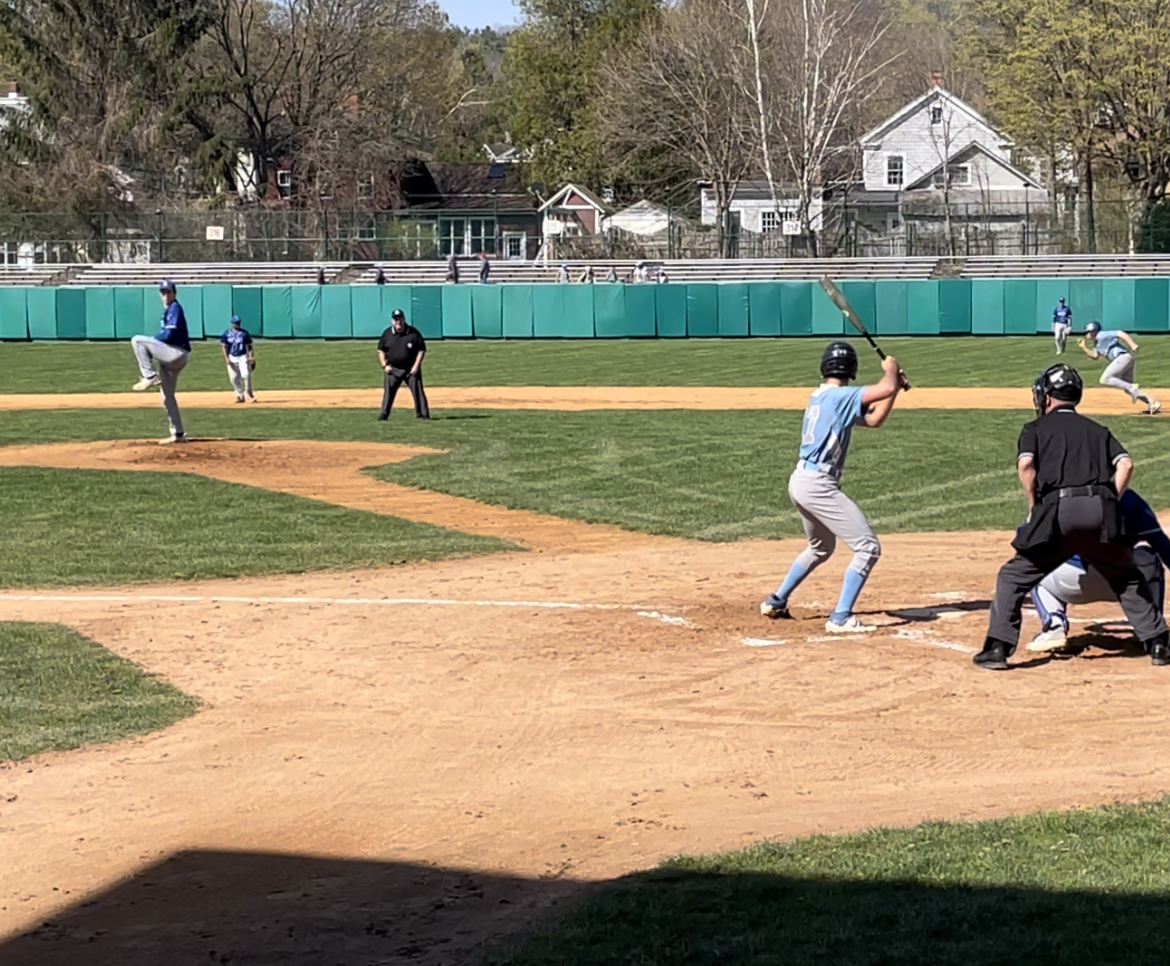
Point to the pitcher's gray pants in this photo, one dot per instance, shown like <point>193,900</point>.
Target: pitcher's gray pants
<point>171,361</point>
<point>1119,375</point>
<point>830,515</point>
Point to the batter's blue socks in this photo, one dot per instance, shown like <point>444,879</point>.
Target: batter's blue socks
<point>796,574</point>
<point>850,591</point>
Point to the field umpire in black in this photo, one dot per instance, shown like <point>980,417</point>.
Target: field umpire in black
<point>401,350</point>
<point>1072,471</point>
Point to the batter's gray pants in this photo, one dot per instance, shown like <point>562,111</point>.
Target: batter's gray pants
<point>1119,375</point>
<point>830,515</point>
<point>171,361</point>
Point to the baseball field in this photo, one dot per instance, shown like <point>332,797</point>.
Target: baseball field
<point>316,689</point>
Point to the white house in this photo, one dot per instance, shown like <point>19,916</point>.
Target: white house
<point>752,205</point>
<point>939,141</point>
<point>641,218</point>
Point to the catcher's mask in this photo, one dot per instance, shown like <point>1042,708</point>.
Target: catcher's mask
<point>839,361</point>
<point>1061,382</point>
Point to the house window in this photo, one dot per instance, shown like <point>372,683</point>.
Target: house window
<point>958,175</point>
<point>894,171</point>
<point>514,246</point>
<point>365,188</point>
<point>284,179</point>
<point>367,232</point>
<point>8,251</point>
<point>482,235</point>
<point>451,238</point>
<point>936,114</point>
<point>769,221</point>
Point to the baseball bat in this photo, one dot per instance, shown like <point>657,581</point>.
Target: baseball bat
<point>837,297</point>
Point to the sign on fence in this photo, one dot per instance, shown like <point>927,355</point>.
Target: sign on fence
<point>215,232</point>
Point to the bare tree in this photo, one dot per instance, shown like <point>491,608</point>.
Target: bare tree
<point>680,90</point>
<point>828,67</point>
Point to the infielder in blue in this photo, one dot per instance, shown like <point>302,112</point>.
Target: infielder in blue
<point>171,349</point>
<point>1118,348</point>
<point>815,485</point>
<point>1075,582</point>
<point>1061,325</point>
<point>240,358</point>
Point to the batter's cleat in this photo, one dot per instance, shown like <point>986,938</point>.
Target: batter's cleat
<point>146,383</point>
<point>774,610</point>
<point>851,625</point>
<point>1052,639</point>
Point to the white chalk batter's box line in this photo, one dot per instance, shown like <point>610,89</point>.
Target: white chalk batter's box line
<point>640,610</point>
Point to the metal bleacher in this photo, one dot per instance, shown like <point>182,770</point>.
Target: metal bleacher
<point>37,275</point>
<point>1065,266</point>
<point>230,273</point>
<point>698,270</point>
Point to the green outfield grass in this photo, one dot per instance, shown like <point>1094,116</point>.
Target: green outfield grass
<point>1076,888</point>
<point>59,690</point>
<point>712,475</point>
<point>67,527</point>
<point>988,361</point>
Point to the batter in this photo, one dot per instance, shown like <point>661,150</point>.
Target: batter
<point>815,485</point>
<point>1118,348</point>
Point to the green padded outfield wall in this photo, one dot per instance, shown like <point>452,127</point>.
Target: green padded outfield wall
<point>576,311</point>
<point>13,312</point>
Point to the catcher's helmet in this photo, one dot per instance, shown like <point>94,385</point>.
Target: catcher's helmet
<point>1061,382</point>
<point>398,315</point>
<point>839,361</point>
<point>1093,328</point>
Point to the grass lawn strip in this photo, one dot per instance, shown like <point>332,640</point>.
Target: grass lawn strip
<point>1081,887</point>
<point>707,475</point>
<point>931,361</point>
<point>78,527</point>
<point>59,690</point>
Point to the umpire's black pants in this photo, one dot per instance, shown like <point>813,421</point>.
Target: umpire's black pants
<point>394,379</point>
<point>1079,523</point>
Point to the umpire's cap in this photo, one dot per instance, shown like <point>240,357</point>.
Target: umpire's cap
<point>166,285</point>
<point>1061,382</point>
<point>398,315</point>
<point>839,361</point>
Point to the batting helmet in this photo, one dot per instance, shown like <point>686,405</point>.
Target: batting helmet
<point>839,361</point>
<point>398,315</point>
<point>1061,382</point>
<point>1093,328</point>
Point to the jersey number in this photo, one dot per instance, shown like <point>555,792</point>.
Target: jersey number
<point>811,415</point>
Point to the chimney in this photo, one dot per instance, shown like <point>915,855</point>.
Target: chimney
<point>936,78</point>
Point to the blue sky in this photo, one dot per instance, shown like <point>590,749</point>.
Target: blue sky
<point>480,13</point>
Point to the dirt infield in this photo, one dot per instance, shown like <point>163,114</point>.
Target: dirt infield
<point>575,398</point>
<point>536,720</point>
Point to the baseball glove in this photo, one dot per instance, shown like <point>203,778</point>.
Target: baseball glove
<point>252,365</point>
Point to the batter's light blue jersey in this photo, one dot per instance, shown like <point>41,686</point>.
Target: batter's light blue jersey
<point>832,413</point>
<point>1109,344</point>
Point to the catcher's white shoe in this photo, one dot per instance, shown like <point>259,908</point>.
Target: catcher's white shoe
<point>1052,639</point>
<point>851,625</point>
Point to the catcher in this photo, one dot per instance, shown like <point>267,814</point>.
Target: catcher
<point>240,355</point>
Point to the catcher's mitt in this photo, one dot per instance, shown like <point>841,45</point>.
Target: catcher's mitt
<point>252,365</point>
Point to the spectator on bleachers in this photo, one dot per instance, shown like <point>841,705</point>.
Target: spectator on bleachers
<point>485,268</point>
<point>563,273</point>
<point>587,275</point>
<point>662,276</point>
<point>453,269</point>
<point>611,275</point>
<point>641,273</point>
<point>321,275</point>
<point>380,278</point>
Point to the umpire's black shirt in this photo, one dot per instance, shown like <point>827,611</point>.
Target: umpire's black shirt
<point>402,348</point>
<point>1068,449</point>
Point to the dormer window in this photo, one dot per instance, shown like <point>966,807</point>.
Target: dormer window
<point>936,114</point>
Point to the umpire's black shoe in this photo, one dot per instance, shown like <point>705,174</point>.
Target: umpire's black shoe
<point>1159,653</point>
<point>993,657</point>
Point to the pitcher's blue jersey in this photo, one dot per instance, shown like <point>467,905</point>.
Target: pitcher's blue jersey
<point>829,419</point>
<point>173,328</point>
<point>1109,344</point>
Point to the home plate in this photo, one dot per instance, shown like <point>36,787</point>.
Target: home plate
<point>761,642</point>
